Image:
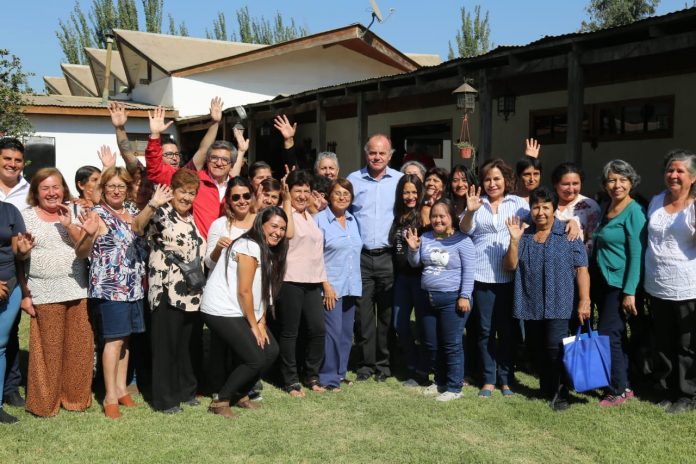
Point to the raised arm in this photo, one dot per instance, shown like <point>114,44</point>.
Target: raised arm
<point>516,228</point>
<point>532,148</point>
<point>287,130</point>
<point>119,116</point>
<point>158,171</point>
<point>473,203</point>
<point>210,135</point>
<point>242,147</point>
<point>162,195</point>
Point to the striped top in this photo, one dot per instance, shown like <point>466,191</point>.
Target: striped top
<point>492,239</point>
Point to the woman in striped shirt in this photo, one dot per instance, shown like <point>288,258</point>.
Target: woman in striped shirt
<point>484,221</point>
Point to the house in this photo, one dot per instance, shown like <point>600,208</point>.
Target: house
<point>624,92</point>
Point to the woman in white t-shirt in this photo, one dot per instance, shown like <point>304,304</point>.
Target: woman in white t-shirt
<point>670,273</point>
<point>235,300</point>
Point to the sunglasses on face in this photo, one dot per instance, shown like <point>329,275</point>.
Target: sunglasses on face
<point>237,196</point>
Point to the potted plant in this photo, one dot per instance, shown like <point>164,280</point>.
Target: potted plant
<point>466,149</point>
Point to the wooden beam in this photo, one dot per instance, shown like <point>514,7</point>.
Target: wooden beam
<point>77,111</point>
<point>251,131</point>
<point>485,144</point>
<point>654,46</point>
<point>361,121</point>
<point>321,126</point>
<point>576,91</point>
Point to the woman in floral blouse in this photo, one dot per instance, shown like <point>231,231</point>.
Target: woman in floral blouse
<point>567,181</point>
<point>172,233</point>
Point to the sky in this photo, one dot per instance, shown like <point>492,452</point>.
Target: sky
<point>413,26</point>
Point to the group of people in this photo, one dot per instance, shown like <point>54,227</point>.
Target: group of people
<point>299,273</point>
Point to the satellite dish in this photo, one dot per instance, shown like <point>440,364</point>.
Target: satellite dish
<point>376,13</point>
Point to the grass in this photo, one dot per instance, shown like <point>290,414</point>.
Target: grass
<point>367,422</point>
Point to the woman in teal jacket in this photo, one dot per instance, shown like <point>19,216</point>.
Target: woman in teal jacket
<point>618,245</point>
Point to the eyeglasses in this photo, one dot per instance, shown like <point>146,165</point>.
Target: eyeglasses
<point>113,188</point>
<point>171,154</point>
<point>341,194</point>
<point>219,160</point>
<point>237,196</point>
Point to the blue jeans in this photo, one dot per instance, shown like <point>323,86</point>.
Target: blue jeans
<point>408,295</point>
<point>443,327</point>
<point>612,322</point>
<point>8,313</point>
<point>493,302</point>
<point>338,341</point>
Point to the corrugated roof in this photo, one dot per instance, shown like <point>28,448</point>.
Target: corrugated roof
<point>170,52</point>
<point>425,59</point>
<point>116,64</point>
<point>57,85</point>
<point>81,74</point>
<point>71,101</point>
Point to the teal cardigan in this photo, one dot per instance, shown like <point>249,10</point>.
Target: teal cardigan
<point>619,245</point>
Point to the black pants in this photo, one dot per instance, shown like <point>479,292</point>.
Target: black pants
<point>545,342</point>
<point>372,327</point>
<point>173,379</point>
<point>675,337</point>
<point>612,322</point>
<point>13,376</point>
<point>298,303</point>
<point>220,362</point>
<point>251,359</point>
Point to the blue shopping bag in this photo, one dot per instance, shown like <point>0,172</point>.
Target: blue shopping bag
<point>587,360</point>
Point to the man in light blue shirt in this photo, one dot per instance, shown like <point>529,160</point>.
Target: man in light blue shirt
<point>373,208</point>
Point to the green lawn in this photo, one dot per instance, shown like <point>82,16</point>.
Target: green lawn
<point>367,422</point>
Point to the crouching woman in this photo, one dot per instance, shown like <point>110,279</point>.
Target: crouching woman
<point>236,298</point>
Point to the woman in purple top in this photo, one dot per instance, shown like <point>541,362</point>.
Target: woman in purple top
<point>448,260</point>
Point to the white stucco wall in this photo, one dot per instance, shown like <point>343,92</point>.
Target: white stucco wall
<point>262,80</point>
<point>77,139</point>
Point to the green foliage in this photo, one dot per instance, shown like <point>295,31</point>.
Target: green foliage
<point>127,15</point>
<point>473,38</point>
<point>13,87</point>
<point>256,30</point>
<point>153,15</point>
<point>104,18</point>
<point>74,35</point>
<point>181,29</point>
<point>611,13</point>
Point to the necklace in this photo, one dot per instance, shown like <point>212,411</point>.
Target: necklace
<point>446,234</point>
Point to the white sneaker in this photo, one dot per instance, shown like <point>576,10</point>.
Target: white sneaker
<point>411,383</point>
<point>433,389</point>
<point>448,396</point>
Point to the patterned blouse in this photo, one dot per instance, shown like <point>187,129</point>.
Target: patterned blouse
<point>169,232</point>
<point>585,211</point>
<point>55,274</point>
<point>118,258</point>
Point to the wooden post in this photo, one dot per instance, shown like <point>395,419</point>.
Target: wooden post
<point>251,134</point>
<point>485,104</point>
<point>576,97</point>
<point>321,126</point>
<point>361,120</point>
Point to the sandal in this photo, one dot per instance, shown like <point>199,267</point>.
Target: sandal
<point>127,401</point>
<point>315,386</point>
<point>294,390</point>
<point>332,388</point>
<point>112,411</point>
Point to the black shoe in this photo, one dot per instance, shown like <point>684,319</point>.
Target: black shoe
<point>193,402</point>
<point>258,386</point>
<point>381,377</point>
<point>14,399</point>
<point>559,403</point>
<point>681,405</point>
<point>172,410</point>
<point>665,404</point>
<point>362,377</point>
<point>6,418</point>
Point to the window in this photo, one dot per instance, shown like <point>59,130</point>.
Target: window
<point>619,120</point>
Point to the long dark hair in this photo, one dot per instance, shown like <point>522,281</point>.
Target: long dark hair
<point>404,216</point>
<point>272,258</point>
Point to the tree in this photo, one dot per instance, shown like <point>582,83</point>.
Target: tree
<point>611,13</point>
<point>153,15</point>
<point>181,29</point>
<point>256,30</point>
<point>74,36</point>
<point>473,38</point>
<point>104,18</point>
<point>13,87</point>
<point>127,15</point>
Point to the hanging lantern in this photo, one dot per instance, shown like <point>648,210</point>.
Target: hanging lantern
<point>506,105</point>
<point>466,97</point>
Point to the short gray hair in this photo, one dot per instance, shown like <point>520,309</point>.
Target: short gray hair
<point>621,168</point>
<point>222,145</point>
<point>326,155</point>
<point>378,134</point>
<point>686,156</point>
<point>417,164</point>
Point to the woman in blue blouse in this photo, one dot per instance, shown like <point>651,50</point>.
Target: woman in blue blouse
<point>547,265</point>
<point>484,221</point>
<point>618,245</point>
<point>342,245</point>
<point>447,257</point>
